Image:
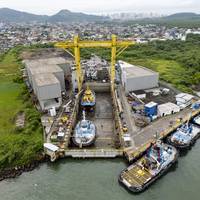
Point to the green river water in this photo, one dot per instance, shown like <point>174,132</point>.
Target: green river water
<point>71,179</point>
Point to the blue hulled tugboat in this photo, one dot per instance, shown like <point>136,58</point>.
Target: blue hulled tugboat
<point>85,133</point>
<point>158,159</point>
<point>184,136</point>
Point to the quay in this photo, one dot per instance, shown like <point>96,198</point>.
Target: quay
<point>108,114</point>
<point>117,132</point>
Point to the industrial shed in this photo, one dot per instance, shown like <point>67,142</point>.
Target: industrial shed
<point>56,65</point>
<point>136,77</point>
<point>34,69</point>
<point>47,79</point>
<point>48,90</point>
<point>167,109</point>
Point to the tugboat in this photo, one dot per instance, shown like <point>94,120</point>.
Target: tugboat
<point>196,120</point>
<point>184,136</point>
<point>88,100</point>
<point>85,133</point>
<point>157,160</point>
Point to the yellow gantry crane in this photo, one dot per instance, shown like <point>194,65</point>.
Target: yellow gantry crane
<point>117,47</point>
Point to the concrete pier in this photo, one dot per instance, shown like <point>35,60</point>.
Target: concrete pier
<point>93,153</point>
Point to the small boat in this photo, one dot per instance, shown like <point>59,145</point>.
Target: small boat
<point>85,133</point>
<point>157,160</point>
<point>196,120</point>
<point>88,99</point>
<point>184,136</point>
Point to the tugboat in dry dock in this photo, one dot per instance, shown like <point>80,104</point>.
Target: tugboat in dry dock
<point>88,99</point>
<point>85,133</point>
<point>184,136</point>
<point>158,159</point>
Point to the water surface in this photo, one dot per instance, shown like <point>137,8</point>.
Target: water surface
<point>78,179</point>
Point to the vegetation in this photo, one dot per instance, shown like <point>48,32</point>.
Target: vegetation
<point>182,20</point>
<point>18,146</point>
<point>178,62</point>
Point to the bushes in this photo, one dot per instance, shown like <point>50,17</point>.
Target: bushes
<point>18,146</point>
<point>184,69</point>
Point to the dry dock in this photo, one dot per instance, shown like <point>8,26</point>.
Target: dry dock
<point>110,135</point>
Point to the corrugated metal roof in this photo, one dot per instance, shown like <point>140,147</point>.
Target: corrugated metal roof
<point>51,147</point>
<point>185,96</point>
<point>151,104</point>
<point>135,71</point>
<point>168,107</point>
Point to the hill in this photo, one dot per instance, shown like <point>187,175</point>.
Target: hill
<point>10,15</point>
<point>183,16</point>
<point>186,20</point>
<point>68,16</point>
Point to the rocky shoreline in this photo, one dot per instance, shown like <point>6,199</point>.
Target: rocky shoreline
<point>17,171</point>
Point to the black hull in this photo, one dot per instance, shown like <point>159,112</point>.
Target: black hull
<point>183,146</point>
<point>146,185</point>
<point>88,108</point>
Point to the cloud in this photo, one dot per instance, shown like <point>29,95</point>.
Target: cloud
<point>103,6</point>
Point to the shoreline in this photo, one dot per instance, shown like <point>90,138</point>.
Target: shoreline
<point>14,172</point>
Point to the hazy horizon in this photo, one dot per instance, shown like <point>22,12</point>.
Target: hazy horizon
<point>48,7</point>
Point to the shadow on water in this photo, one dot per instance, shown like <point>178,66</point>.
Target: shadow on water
<point>185,152</point>
<point>56,166</point>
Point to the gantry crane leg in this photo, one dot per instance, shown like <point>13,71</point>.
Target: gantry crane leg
<point>76,45</point>
<point>78,63</point>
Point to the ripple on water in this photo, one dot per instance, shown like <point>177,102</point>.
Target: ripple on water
<point>97,179</point>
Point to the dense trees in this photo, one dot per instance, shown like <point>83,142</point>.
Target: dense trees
<point>178,62</point>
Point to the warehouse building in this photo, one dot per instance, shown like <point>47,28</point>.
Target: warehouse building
<point>136,77</point>
<point>48,91</point>
<point>42,66</point>
<point>47,79</point>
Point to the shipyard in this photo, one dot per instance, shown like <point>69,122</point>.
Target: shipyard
<point>99,100</point>
<point>93,108</point>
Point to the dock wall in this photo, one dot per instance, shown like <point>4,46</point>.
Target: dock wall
<point>96,153</point>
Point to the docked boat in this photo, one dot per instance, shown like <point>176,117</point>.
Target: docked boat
<point>85,133</point>
<point>184,136</point>
<point>196,120</point>
<point>157,160</point>
<point>88,99</point>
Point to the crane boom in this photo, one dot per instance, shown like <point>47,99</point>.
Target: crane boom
<point>76,44</point>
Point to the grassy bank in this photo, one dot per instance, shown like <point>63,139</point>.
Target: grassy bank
<point>178,62</point>
<point>17,146</point>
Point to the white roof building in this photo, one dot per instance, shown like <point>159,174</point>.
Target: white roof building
<point>51,147</point>
<point>136,77</point>
<point>184,97</point>
<point>167,109</point>
<point>183,100</point>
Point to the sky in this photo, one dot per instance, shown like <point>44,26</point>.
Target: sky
<point>50,7</point>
